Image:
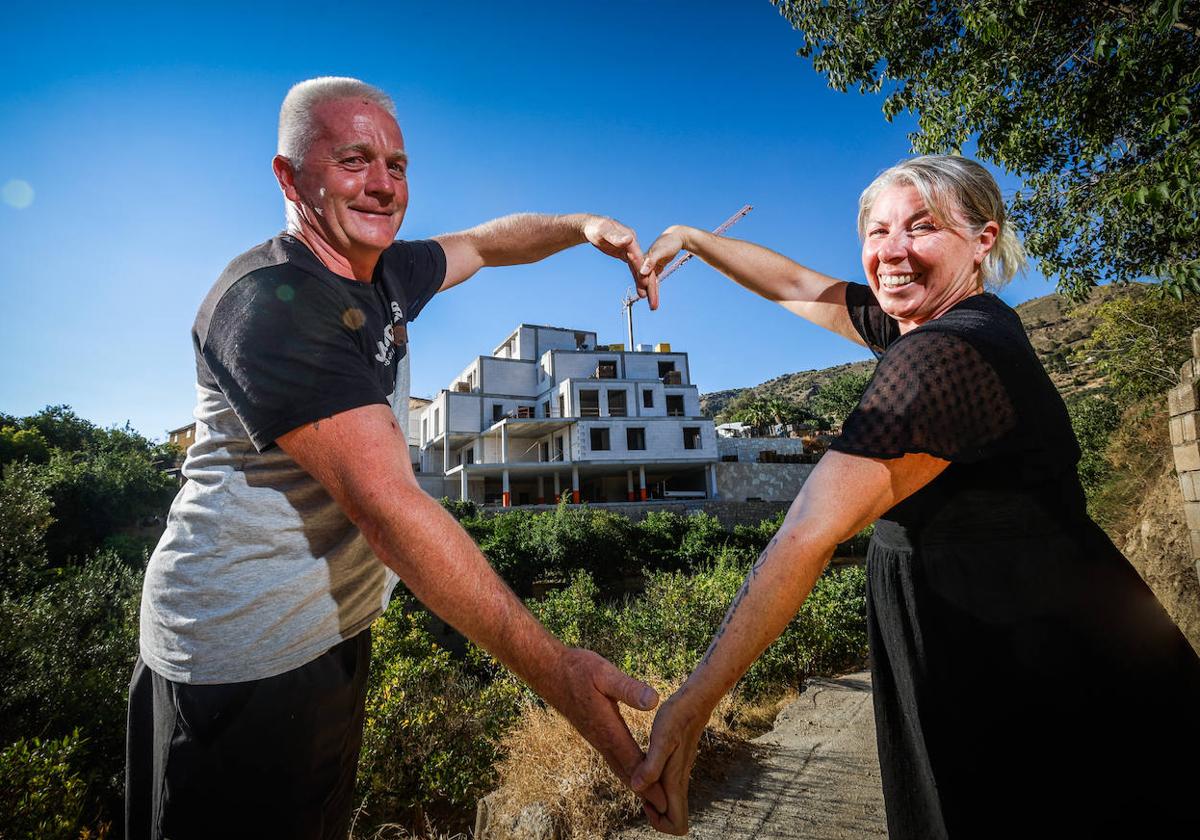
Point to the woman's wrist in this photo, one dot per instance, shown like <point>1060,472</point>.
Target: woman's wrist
<point>697,699</point>
<point>686,235</point>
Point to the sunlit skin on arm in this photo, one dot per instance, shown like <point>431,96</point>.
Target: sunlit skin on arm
<point>802,291</point>
<point>361,458</point>
<point>528,237</point>
<point>843,495</point>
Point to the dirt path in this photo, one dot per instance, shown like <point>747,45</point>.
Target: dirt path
<point>815,775</point>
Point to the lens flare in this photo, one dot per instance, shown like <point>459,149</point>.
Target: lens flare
<point>17,193</point>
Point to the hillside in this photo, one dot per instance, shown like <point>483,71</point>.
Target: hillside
<point>1056,328</point>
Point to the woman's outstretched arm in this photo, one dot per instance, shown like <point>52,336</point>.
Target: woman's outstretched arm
<point>802,291</point>
<point>843,494</point>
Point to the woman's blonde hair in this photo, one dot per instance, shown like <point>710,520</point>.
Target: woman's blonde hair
<point>960,193</point>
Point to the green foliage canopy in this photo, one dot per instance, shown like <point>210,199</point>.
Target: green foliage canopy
<point>838,397</point>
<point>1090,101</point>
<point>1140,342</point>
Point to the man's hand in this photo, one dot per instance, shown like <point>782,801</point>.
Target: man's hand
<point>588,690</point>
<point>674,741</point>
<point>618,241</point>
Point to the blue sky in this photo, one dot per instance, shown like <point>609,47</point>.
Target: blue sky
<point>146,134</point>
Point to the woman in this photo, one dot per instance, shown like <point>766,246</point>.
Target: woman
<point>1026,682</point>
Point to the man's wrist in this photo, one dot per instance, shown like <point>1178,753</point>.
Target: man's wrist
<point>545,670</point>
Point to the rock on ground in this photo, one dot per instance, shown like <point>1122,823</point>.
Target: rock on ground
<point>815,775</point>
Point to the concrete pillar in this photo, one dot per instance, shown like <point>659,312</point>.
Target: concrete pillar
<point>710,472</point>
<point>541,496</point>
<point>575,485</point>
<point>642,482</point>
<point>557,488</point>
<point>629,485</point>
<point>505,494</point>
<point>463,484</point>
<point>504,443</point>
<point>445,455</point>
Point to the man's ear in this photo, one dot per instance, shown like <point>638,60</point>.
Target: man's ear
<point>285,174</point>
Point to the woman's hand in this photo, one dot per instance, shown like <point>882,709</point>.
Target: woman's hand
<point>665,248</point>
<point>674,739</point>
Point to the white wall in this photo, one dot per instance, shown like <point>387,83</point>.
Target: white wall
<point>645,365</point>
<point>551,338</point>
<point>691,398</point>
<point>664,439</point>
<point>506,407</point>
<point>506,376</point>
<point>580,365</point>
<point>464,412</point>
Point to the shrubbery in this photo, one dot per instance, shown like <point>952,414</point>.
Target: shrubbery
<point>432,728</point>
<point>42,795</point>
<point>71,558</point>
<point>666,630</point>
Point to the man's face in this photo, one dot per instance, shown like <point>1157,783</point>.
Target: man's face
<point>351,185</point>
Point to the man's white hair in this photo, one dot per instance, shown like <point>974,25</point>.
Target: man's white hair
<point>298,129</point>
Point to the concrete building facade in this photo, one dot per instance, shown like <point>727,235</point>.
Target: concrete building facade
<point>551,411</point>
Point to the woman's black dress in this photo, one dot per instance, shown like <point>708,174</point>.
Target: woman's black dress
<point>1026,681</point>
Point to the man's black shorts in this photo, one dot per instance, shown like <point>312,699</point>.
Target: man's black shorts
<point>267,758</point>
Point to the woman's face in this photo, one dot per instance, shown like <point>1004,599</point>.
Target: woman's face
<point>918,268</point>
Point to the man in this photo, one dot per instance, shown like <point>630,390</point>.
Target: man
<point>246,705</point>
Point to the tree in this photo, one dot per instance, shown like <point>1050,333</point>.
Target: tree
<point>837,397</point>
<point>754,414</point>
<point>1140,342</point>
<point>17,444</point>
<point>1089,101</point>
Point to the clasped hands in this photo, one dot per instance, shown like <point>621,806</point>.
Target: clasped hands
<point>618,241</point>
<point>587,690</point>
<point>662,774</point>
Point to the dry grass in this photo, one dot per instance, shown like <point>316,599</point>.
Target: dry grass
<point>392,831</point>
<point>551,770</point>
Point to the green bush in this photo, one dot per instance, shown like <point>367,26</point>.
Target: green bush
<point>1093,419</point>
<point>577,615</point>
<point>42,794</point>
<point>667,630</point>
<point>24,520</point>
<point>754,538</point>
<point>578,537</point>
<point>510,544</point>
<point>460,509</point>
<point>657,537</point>
<point>66,654</point>
<point>432,730</point>
<point>704,540</point>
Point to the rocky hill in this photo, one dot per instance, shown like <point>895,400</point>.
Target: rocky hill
<point>1056,328</point>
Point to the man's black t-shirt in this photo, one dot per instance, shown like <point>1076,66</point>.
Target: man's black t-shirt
<point>288,342</point>
<point>259,570</point>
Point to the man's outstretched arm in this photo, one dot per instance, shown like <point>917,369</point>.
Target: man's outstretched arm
<point>361,457</point>
<point>529,237</point>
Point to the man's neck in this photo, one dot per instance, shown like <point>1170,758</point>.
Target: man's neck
<point>360,269</point>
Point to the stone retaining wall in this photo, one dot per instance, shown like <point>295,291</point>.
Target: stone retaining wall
<point>1184,408</point>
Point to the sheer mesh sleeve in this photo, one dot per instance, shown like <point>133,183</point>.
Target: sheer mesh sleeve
<point>933,393</point>
<point>875,326</point>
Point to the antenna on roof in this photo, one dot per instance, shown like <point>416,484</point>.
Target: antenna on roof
<point>631,294</point>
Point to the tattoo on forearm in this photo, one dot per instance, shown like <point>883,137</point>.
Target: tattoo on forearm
<point>737,599</point>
